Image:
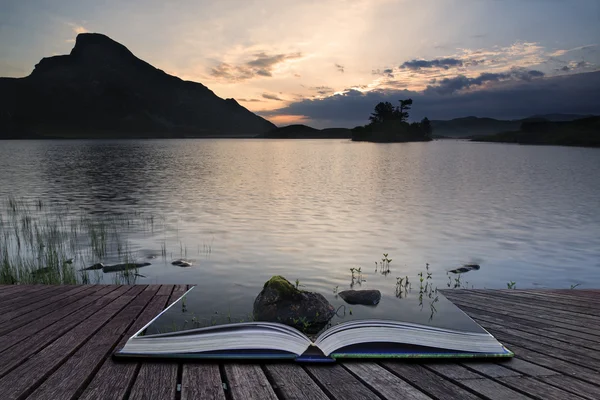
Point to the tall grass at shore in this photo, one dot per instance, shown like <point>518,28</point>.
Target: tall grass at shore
<point>51,243</point>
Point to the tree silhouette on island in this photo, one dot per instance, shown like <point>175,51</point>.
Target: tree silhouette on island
<point>389,124</point>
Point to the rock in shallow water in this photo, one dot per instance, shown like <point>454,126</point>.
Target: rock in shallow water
<point>123,267</point>
<point>95,266</point>
<point>365,297</point>
<point>279,301</point>
<point>465,268</point>
<point>182,263</point>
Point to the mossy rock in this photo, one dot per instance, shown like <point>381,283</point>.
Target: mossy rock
<point>280,301</point>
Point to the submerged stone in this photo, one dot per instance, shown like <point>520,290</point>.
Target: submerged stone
<point>95,266</point>
<point>182,263</point>
<point>124,267</point>
<point>465,268</point>
<point>279,301</point>
<point>365,297</point>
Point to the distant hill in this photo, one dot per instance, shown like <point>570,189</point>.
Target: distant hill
<point>583,132</point>
<point>299,131</point>
<point>475,126</point>
<point>102,90</point>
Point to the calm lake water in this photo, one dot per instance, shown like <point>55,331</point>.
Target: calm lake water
<point>245,210</point>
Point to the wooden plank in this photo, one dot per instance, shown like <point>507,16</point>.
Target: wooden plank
<point>537,389</point>
<point>24,298</point>
<point>53,297</point>
<point>550,298</point>
<point>7,290</point>
<point>178,291</point>
<point>527,368</point>
<point>44,313</point>
<point>523,298</point>
<point>27,376</point>
<point>291,382</point>
<point>383,382</point>
<point>573,385</point>
<point>491,370</point>
<point>493,390</point>
<point>555,364</point>
<point>531,326</point>
<point>201,381</point>
<point>338,383</point>
<point>23,349</point>
<point>248,381</point>
<point>428,381</point>
<point>115,378</point>
<point>539,329</point>
<point>567,323</point>
<point>592,357</point>
<point>164,374</point>
<point>70,378</point>
<point>51,324</point>
<point>452,371</point>
<point>150,382</point>
<point>524,307</point>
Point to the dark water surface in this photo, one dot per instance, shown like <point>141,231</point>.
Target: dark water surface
<point>245,210</point>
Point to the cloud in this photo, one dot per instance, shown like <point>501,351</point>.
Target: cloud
<point>77,29</point>
<point>249,100</point>
<point>269,96</point>
<point>340,68</point>
<point>262,65</point>
<point>444,63</point>
<point>504,98</point>
<point>322,90</point>
<point>387,72</point>
<point>460,82</point>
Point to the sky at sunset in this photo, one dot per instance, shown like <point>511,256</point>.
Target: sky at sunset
<point>328,62</point>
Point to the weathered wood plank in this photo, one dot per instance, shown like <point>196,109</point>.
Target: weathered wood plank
<point>489,307</point>
<point>548,298</point>
<point>53,297</point>
<point>201,381</point>
<point>538,389</point>
<point>491,370</point>
<point>248,381</point>
<point>528,308</point>
<point>164,373</point>
<point>22,350</point>
<point>338,383</point>
<point>69,379</point>
<point>573,385</point>
<point>21,299</point>
<point>555,364</point>
<point>45,313</point>
<point>428,381</point>
<point>525,299</point>
<point>151,382</point>
<point>493,390</point>
<point>36,335</point>
<point>7,290</point>
<point>27,376</point>
<point>383,382</point>
<point>452,371</point>
<point>291,382</point>
<point>527,368</point>
<point>566,349</point>
<point>114,378</point>
<point>538,329</point>
<point>178,291</point>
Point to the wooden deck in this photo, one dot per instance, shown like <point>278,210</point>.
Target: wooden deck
<point>56,342</point>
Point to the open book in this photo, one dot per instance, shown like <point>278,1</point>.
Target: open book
<point>359,338</point>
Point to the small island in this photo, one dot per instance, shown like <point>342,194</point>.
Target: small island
<point>389,124</point>
<point>583,132</point>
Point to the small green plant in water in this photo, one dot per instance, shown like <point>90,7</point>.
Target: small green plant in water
<point>511,285</point>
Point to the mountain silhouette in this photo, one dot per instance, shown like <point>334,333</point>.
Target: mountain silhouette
<point>101,90</point>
